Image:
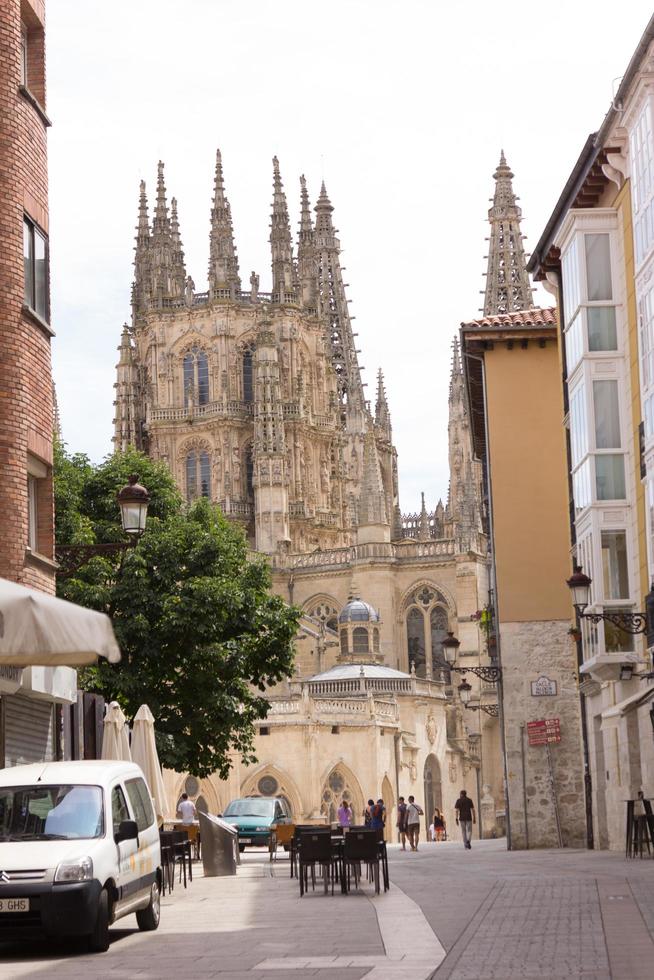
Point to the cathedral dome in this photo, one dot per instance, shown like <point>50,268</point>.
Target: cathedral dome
<point>358,611</point>
<point>342,672</point>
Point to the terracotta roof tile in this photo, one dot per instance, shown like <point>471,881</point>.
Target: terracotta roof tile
<point>537,317</point>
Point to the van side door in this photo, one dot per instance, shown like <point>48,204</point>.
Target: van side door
<point>149,853</point>
<point>126,849</point>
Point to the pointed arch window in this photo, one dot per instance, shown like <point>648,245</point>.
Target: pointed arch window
<point>415,633</point>
<point>249,473</point>
<point>438,622</point>
<point>196,377</point>
<point>248,375</point>
<point>198,475</point>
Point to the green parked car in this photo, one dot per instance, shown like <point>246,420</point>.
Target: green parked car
<point>254,816</point>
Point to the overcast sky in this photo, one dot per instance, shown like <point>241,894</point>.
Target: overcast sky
<point>402,107</point>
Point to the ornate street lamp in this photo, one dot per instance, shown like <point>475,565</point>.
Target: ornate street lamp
<point>634,623</point>
<point>451,644</point>
<point>465,690</point>
<point>133,501</point>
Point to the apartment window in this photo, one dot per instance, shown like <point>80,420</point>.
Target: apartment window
<point>614,565</point>
<point>581,486</point>
<point>32,514</point>
<point>609,477</point>
<point>23,55</point>
<point>602,332</point>
<point>578,425</point>
<point>607,415</point>
<point>598,267</point>
<point>643,183</point>
<point>35,262</point>
<point>574,346</point>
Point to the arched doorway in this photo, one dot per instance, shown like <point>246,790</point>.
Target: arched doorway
<point>433,790</point>
<point>389,802</point>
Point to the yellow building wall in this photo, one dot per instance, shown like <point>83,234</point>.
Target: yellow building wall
<point>528,482</point>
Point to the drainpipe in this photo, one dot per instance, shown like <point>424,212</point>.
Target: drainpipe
<point>493,588</point>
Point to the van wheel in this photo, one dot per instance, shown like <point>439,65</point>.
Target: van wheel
<point>148,918</point>
<point>99,939</point>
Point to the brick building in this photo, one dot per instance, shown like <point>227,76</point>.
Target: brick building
<point>26,412</point>
<point>30,716</point>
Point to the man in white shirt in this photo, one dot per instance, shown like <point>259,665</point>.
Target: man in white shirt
<point>413,813</point>
<point>187,809</point>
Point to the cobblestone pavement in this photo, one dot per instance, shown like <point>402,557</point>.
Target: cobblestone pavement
<point>455,914</point>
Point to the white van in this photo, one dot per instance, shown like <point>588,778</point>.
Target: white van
<point>79,848</point>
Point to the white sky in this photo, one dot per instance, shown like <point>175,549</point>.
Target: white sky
<point>402,107</point>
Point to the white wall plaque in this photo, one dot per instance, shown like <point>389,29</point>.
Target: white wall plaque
<point>543,687</point>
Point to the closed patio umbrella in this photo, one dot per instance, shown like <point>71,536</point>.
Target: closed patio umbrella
<point>144,754</point>
<point>37,629</point>
<point>115,735</point>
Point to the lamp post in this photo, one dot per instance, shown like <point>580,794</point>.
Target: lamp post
<point>634,623</point>
<point>451,644</point>
<point>133,500</point>
<point>465,690</point>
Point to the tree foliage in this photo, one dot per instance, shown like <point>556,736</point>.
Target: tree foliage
<point>200,632</point>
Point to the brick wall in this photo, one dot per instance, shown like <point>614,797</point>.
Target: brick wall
<point>26,418</point>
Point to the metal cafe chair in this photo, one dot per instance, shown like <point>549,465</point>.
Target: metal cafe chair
<point>315,848</point>
<point>281,833</point>
<point>362,847</point>
<point>295,840</point>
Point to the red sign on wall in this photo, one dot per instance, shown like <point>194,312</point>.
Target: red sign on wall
<point>543,732</point>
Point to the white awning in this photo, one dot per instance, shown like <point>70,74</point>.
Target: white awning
<point>611,716</point>
<point>39,629</point>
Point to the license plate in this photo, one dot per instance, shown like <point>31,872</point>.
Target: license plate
<point>245,840</point>
<point>14,904</point>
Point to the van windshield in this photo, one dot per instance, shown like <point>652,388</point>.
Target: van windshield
<point>250,808</point>
<point>50,812</point>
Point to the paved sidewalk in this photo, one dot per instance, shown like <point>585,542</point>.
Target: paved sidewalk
<point>451,915</point>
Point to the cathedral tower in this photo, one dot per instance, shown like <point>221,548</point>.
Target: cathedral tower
<point>507,282</point>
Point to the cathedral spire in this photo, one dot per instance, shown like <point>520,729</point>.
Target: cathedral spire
<point>372,501</point>
<point>224,280</point>
<point>424,531</point>
<point>306,252</point>
<point>333,301</point>
<point>507,281</point>
<point>382,411</point>
<point>161,223</point>
<point>178,270</point>
<point>141,285</point>
<point>280,243</point>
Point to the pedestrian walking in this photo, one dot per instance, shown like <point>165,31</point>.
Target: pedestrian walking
<point>401,821</point>
<point>378,817</point>
<point>345,814</point>
<point>367,813</point>
<point>465,815</point>
<point>438,824</point>
<point>414,812</point>
<point>186,809</point>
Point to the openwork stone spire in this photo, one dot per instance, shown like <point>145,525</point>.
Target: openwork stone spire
<point>224,280</point>
<point>142,283</point>
<point>178,271</point>
<point>280,243</point>
<point>334,302</point>
<point>306,253</point>
<point>382,411</point>
<point>464,504</point>
<point>507,283</point>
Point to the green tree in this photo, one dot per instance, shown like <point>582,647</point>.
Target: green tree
<point>202,637</point>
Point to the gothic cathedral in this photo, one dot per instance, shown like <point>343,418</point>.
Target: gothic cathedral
<point>255,400</point>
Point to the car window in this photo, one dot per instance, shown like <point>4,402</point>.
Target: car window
<point>139,797</point>
<point>43,812</point>
<point>119,811</point>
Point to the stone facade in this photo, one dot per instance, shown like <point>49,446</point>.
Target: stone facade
<point>255,400</point>
<point>545,651</point>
